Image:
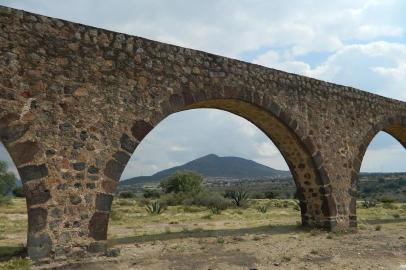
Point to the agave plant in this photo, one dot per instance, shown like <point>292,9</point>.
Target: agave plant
<point>262,209</point>
<point>154,208</point>
<point>238,195</point>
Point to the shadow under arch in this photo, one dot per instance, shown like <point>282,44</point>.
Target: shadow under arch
<point>318,207</point>
<point>394,126</point>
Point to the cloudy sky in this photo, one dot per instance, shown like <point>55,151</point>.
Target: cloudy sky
<point>361,43</point>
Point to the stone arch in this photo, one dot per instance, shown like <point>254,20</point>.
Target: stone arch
<point>394,126</point>
<point>305,162</point>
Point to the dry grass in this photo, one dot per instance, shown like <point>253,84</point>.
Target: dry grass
<point>130,223</point>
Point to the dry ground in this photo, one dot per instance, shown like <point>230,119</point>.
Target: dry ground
<point>193,238</point>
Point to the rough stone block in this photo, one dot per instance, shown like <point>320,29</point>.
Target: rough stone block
<point>33,172</point>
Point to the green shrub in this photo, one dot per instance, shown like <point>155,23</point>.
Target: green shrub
<point>7,179</point>
<point>258,195</point>
<point>270,194</point>
<point>173,199</point>
<point>389,206</point>
<point>183,182</point>
<point>18,192</point>
<point>154,208</point>
<point>212,200</point>
<point>126,195</point>
<point>262,209</point>
<point>387,199</point>
<point>4,200</point>
<point>151,194</point>
<point>369,203</point>
<point>238,195</point>
<point>378,227</point>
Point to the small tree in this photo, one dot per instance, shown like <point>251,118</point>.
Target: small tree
<point>7,181</point>
<point>183,181</point>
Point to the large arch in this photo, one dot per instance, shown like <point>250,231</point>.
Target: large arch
<point>394,126</point>
<point>314,190</point>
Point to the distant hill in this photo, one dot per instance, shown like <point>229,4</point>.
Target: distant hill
<point>215,166</point>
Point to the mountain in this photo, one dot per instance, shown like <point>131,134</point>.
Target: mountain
<point>215,166</point>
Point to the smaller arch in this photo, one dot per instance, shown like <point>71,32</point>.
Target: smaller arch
<point>394,126</point>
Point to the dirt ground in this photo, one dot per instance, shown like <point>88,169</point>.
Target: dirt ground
<point>245,239</point>
<point>267,248</point>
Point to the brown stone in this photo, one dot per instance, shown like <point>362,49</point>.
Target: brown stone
<point>24,152</point>
<point>109,186</point>
<point>98,226</point>
<point>114,169</point>
<point>140,129</point>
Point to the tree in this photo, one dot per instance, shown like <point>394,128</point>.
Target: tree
<point>7,180</point>
<point>183,181</point>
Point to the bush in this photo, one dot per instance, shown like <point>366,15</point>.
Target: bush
<point>270,195</point>
<point>389,206</point>
<point>183,182</point>
<point>369,203</point>
<point>262,209</point>
<point>126,195</point>
<point>258,195</point>
<point>387,199</point>
<point>214,201</point>
<point>181,198</point>
<point>5,200</point>
<point>18,192</point>
<point>151,194</point>
<point>238,195</point>
<point>154,208</point>
<point>7,180</point>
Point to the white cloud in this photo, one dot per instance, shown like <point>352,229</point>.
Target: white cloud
<point>378,67</point>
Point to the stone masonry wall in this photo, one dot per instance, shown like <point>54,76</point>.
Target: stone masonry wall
<point>75,101</point>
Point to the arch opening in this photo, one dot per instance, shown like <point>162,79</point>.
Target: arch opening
<point>381,174</point>
<point>313,190</point>
<point>13,209</point>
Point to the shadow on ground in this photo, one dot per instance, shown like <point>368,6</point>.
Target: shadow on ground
<point>199,233</point>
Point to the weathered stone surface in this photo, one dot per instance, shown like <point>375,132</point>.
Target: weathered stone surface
<point>98,226</point>
<point>23,152</point>
<point>75,199</point>
<point>122,157</point>
<point>37,219</point>
<point>140,129</point>
<point>103,202</point>
<point>37,194</point>
<point>39,245</point>
<point>79,166</point>
<point>114,169</point>
<point>13,133</point>
<point>104,91</point>
<point>33,172</point>
<point>127,144</point>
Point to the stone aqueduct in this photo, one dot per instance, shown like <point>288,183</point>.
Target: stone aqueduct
<point>75,101</point>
